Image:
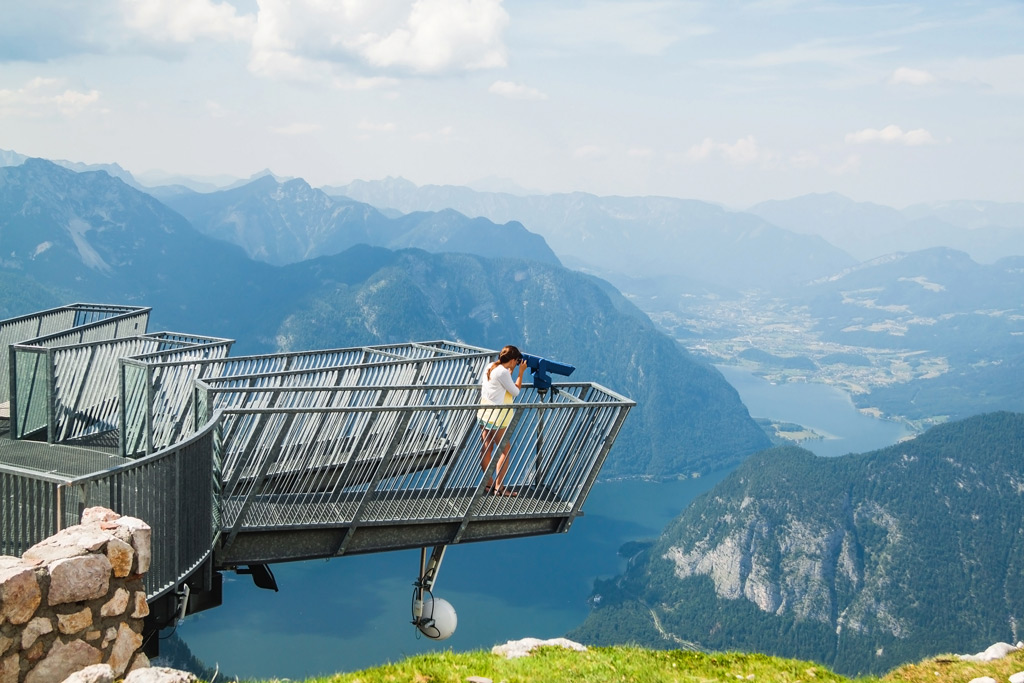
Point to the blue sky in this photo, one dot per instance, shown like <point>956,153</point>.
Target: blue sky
<point>732,102</point>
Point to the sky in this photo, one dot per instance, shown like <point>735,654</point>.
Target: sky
<point>724,101</point>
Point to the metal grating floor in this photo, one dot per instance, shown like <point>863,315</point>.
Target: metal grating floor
<point>59,459</point>
<point>276,513</point>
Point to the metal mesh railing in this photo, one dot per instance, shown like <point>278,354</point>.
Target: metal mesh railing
<point>157,397</point>
<point>29,508</point>
<point>30,363</point>
<point>386,454</point>
<point>54,321</point>
<point>73,392</point>
<point>172,491</point>
<point>158,390</point>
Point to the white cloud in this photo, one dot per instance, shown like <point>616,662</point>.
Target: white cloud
<point>516,91</point>
<point>300,38</point>
<point>185,21</point>
<point>646,27</point>
<point>216,109</point>
<point>907,76</point>
<point>891,134</point>
<point>41,96</point>
<point>804,159</point>
<point>814,52</point>
<point>375,127</point>
<point>431,135</point>
<point>743,151</point>
<point>849,165</point>
<point>999,75</point>
<point>590,152</point>
<point>367,83</point>
<point>640,152</point>
<point>298,129</point>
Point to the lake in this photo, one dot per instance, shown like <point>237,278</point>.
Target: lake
<point>827,410</point>
<point>351,613</point>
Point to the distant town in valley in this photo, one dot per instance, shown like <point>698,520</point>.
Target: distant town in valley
<point>783,343</point>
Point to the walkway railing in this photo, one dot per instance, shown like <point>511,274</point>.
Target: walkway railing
<point>73,390</point>
<point>68,325</point>
<point>172,491</point>
<point>386,454</point>
<point>158,390</point>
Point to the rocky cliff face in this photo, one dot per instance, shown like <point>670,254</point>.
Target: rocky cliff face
<point>800,567</point>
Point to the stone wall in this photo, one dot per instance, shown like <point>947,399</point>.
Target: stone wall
<point>75,600</point>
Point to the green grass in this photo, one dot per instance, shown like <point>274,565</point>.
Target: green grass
<point>600,664</point>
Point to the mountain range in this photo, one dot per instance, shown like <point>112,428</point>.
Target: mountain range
<point>860,562</point>
<point>987,231</point>
<point>861,230</point>
<point>931,334</point>
<point>613,236</point>
<point>286,222</point>
<point>88,236</point>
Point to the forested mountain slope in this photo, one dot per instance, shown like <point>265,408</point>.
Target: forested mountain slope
<point>859,562</point>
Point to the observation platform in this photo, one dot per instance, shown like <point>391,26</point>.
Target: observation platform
<point>252,460</point>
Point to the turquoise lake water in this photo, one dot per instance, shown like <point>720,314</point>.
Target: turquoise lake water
<point>827,410</point>
<point>351,613</point>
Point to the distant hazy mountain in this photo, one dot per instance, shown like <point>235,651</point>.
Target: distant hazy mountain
<point>860,562</point>
<point>285,222</point>
<point>971,215</point>
<point>89,237</point>
<point>94,236</point>
<point>10,158</point>
<point>633,237</point>
<point>986,230</point>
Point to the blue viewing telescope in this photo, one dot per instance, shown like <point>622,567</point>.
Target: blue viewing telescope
<point>540,367</point>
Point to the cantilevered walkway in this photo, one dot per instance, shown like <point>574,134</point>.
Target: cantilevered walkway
<point>246,461</point>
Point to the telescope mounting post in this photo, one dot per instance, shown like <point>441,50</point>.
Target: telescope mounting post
<point>425,582</point>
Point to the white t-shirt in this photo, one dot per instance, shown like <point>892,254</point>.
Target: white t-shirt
<point>493,390</point>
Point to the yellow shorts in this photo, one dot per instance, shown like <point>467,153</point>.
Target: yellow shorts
<point>495,418</point>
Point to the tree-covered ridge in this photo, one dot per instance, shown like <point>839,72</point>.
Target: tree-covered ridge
<point>860,562</point>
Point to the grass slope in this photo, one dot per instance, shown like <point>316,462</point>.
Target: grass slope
<point>620,663</point>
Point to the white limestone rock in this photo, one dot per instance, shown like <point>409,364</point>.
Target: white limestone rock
<point>159,674</point>
<point>522,648</point>
<point>97,673</point>
<point>997,651</point>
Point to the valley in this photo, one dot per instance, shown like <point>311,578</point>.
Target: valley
<point>782,341</point>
